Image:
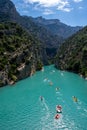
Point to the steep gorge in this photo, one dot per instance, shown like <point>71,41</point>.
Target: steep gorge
<point>20,53</point>
<point>72,55</point>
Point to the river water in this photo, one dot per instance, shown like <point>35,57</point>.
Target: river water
<point>22,109</point>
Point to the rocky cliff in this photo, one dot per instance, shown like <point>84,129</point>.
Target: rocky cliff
<point>50,32</point>
<point>20,54</point>
<point>72,55</point>
<point>25,48</point>
<point>8,12</point>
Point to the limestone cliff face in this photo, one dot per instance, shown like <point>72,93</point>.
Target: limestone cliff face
<point>20,54</point>
<point>8,11</point>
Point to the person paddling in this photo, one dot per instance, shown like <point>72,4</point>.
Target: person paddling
<point>57,116</point>
<point>41,98</point>
<point>75,99</point>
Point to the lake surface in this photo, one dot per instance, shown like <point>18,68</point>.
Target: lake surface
<point>22,109</point>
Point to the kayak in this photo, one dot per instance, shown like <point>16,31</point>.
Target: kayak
<point>57,116</point>
<point>59,109</point>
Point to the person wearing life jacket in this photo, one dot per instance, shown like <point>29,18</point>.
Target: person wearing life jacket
<point>57,88</point>
<point>57,116</point>
<point>75,99</point>
<point>59,107</point>
<point>41,98</point>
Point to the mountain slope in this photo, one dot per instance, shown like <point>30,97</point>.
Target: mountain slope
<point>20,53</point>
<point>56,27</point>
<point>9,13</point>
<point>51,33</point>
<point>72,55</point>
<point>42,33</point>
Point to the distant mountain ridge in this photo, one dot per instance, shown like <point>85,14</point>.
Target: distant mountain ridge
<point>50,32</point>
<point>25,43</point>
<point>8,13</point>
<point>57,27</point>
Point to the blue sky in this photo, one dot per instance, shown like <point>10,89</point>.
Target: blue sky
<point>70,12</point>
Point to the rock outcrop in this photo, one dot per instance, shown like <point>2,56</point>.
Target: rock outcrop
<point>72,55</point>
<point>20,54</point>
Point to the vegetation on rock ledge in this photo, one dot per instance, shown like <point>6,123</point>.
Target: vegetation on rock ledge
<point>19,51</point>
<point>72,55</point>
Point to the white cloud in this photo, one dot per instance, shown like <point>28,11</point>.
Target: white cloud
<point>80,7</point>
<point>48,11</point>
<point>66,9</point>
<point>77,1</point>
<point>37,7</point>
<point>47,3</point>
<point>62,5</point>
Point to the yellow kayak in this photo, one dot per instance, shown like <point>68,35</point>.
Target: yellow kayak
<point>75,99</point>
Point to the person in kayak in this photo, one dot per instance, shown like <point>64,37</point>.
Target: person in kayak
<point>59,108</point>
<point>57,116</point>
<point>41,98</point>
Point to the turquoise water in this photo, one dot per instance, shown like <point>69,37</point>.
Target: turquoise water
<point>22,109</point>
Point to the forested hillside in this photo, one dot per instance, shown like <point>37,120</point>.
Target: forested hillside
<point>72,55</point>
<point>20,53</point>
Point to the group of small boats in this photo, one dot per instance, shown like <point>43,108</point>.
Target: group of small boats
<point>59,107</point>
<point>58,110</point>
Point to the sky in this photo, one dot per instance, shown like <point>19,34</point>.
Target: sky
<point>70,12</point>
